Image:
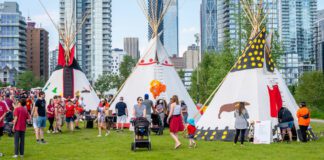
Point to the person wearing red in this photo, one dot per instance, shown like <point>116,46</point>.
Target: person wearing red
<point>21,116</point>
<point>191,128</point>
<point>29,104</point>
<point>51,115</point>
<point>69,115</point>
<point>175,120</point>
<point>3,112</point>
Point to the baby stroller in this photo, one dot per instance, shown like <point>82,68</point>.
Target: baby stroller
<point>157,127</point>
<point>141,129</point>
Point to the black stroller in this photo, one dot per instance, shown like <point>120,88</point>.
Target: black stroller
<point>141,129</point>
<point>157,126</point>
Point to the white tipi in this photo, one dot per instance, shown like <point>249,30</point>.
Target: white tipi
<point>253,80</point>
<point>68,80</point>
<point>154,65</point>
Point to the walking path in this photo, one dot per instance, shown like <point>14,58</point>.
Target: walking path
<point>317,120</point>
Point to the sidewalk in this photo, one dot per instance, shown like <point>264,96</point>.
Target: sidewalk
<point>317,120</point>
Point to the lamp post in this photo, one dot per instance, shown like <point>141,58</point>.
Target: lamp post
<point>197,37</point>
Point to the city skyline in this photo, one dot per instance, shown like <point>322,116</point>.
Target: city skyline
<point>189,21</point>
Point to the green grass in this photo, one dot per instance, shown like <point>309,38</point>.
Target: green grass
<point>85,145</point>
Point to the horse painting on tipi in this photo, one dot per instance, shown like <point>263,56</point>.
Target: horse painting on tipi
<point>253,80</point>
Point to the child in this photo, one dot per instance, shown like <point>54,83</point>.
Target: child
<point>191,133</point>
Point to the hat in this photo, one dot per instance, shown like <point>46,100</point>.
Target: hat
<point>303,104</point>
<point>146,96</point>
<point>191,122</point>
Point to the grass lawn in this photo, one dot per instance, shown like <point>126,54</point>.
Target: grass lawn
<point>85,145</point>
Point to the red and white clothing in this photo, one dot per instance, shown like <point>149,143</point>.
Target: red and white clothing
<point>51,109</point>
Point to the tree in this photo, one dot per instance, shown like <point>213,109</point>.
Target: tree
<point>212,69</point>
<point>106,82</point>
<point>310,89</point>
<point>125,68</point>
<point>27,80</point>
<point>181,74</point>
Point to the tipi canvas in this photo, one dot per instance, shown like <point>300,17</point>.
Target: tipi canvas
<point>68,80</point>
<point>253,80</point>
<point>154,65</point>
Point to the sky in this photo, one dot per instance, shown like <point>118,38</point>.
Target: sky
<point>128,20</point>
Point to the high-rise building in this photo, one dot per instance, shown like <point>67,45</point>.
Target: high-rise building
<point>208,18</point>
<point>292,20</point>
<point>319,40</point>
<point>131,47</point>
<point>37,50</point>
<point>178,62</point>
<point>169,27</point>
<point>117,58</point>
<point>93,42</point>
<point>12,41</point>
<point>53,58</point>
<point>297,27</point>
<point>191,57</point>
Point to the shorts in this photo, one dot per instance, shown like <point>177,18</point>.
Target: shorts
<point>1,131</point>
<point>35,122</point>
<point>41,122</point>
<point>101,119</point>
<point>286,125</point>
<point>69,119</point>
<point>121,119</point>
<point>191,136</point>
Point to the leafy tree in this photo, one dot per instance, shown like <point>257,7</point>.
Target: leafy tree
<point>106,82</point>
<point>4,84</point>
<point>181,74</point>
<point>311,90</point>
<point>126,68</point>
<point>27,80</point>
<point>212,69</point>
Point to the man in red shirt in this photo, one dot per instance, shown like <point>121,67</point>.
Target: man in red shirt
<point>21,116</point>
<point>69,115</point>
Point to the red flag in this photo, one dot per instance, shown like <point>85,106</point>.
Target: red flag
<point>61,60</point>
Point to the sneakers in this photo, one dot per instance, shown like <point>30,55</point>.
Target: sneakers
<point>1,154</point>
<point>77,128</point>
<point>107,133</point>
<point>15,156</point>
<point>43,142</point>
<point>99,135</point>
<point>38,141</point>
<point>48,131</point>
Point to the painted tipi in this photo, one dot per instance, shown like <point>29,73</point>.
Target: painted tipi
<point>154,67</point>
<point>68,80</point>
<point>253,80</point>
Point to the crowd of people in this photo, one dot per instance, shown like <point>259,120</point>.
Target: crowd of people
<point>31,108</point>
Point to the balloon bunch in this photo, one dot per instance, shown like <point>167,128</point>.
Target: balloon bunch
<point>157,88</point>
